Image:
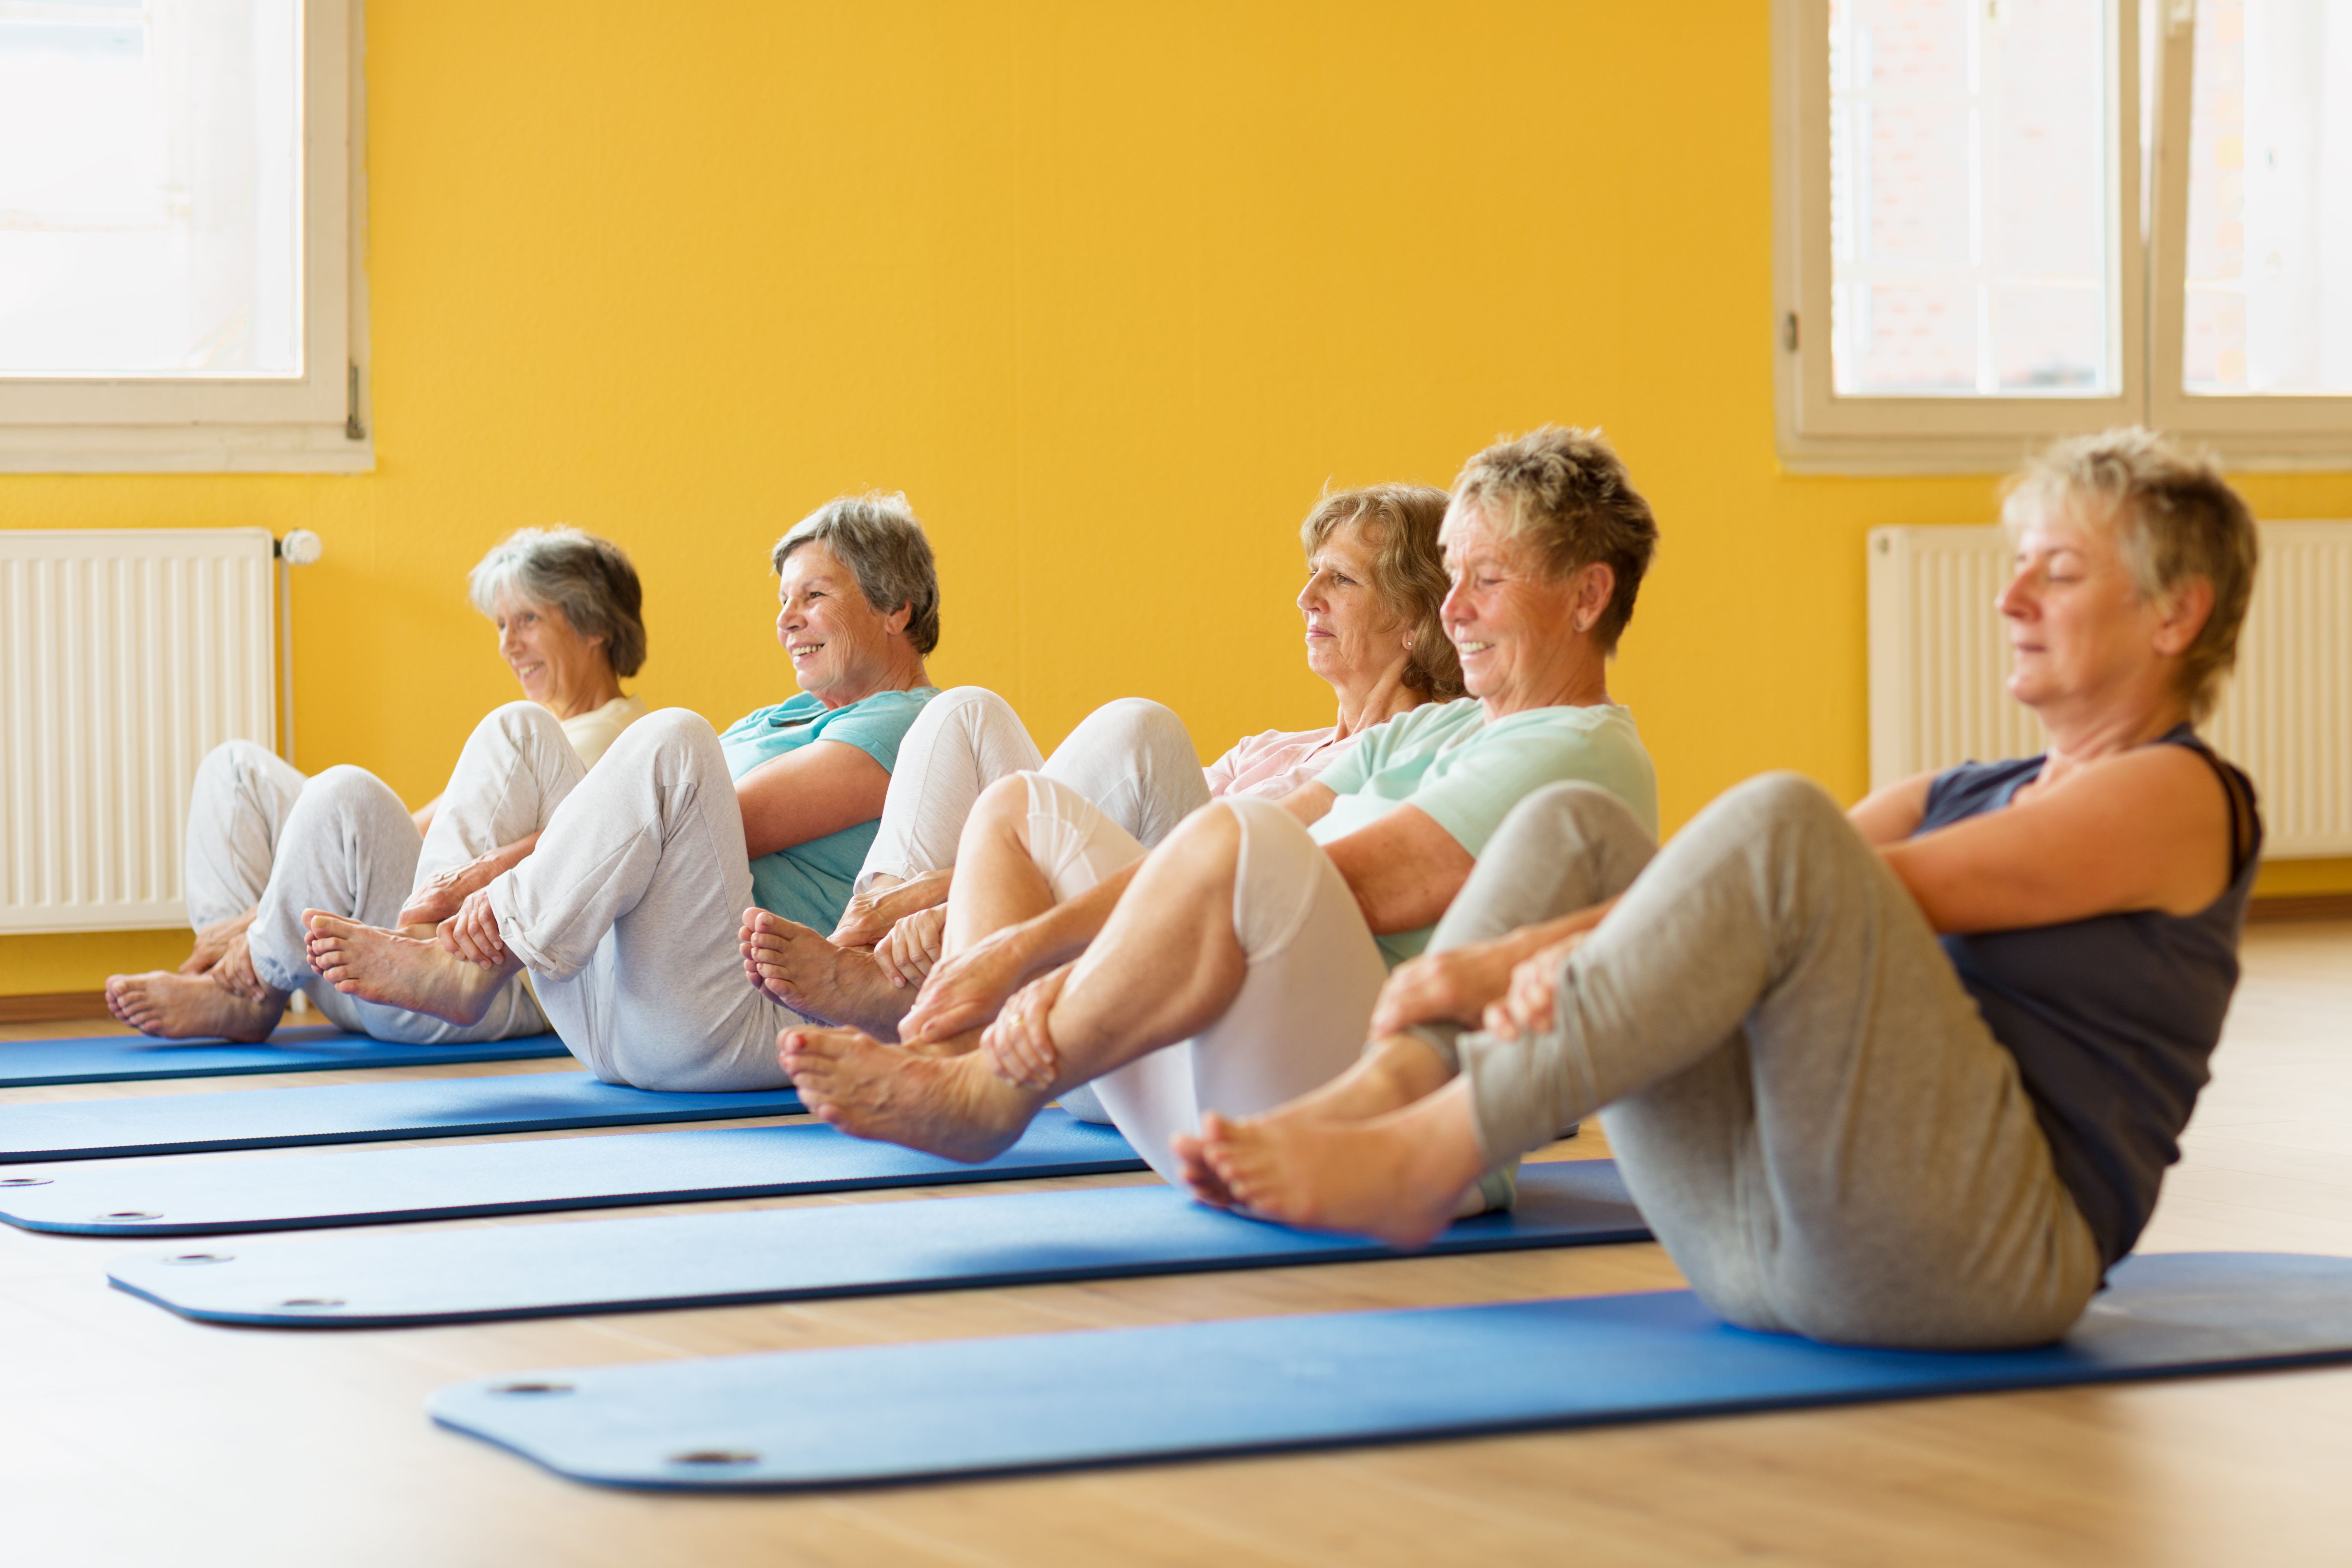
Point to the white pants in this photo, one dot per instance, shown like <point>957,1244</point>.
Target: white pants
<point>628,912</point>
<point>1305,1003</point>
<point>1132,758</point>
<point>262,837</point>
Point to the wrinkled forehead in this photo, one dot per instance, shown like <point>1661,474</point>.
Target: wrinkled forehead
<point>809,563</point>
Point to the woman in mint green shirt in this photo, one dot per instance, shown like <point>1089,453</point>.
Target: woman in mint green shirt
<point>1241,966</point>
<point>628,915</point>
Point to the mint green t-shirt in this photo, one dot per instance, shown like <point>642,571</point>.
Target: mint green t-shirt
<point>1467,773</point>
<point>811,882</point>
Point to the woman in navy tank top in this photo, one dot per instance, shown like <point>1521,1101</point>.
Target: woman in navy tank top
<point>1908,1075</point>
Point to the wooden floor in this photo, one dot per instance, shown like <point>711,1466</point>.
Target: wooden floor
<point>130,1436</point>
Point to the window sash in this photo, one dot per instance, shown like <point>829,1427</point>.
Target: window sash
<point>1822,432</point>
<point>52,414</point>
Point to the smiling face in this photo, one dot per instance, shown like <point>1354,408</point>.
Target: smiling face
<point>1353,639</point>
<point>560,669</point>
<point>2081,634</point>
<point>841,646</point>
<point>1525,637</point>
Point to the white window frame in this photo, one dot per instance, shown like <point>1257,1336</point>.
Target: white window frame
<point>1821,432</point>
<point>317,423</point>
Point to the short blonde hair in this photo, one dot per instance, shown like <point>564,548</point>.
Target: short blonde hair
<point>1400,524</point>
<point>2176,521</point>
<point>1568,490</point>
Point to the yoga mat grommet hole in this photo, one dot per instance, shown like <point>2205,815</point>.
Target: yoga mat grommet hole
<point>24,1181</point>
<point>200,1258</point>
<point>130,1214</point>
<point>312,1302</point>
<point>532,1388</point>
<point>710,1457</point>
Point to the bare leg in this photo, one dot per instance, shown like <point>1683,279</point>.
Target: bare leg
<point>378,965</point>
<point>1166,964</point>
<point>1400,1177</point>
<point>190,1008</point>
<point>796,966</point>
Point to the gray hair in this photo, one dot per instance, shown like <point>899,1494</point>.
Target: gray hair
<point>1567,490</point>
<point>879,539</point>
<point>587,578</point>
<point>2176,520</point>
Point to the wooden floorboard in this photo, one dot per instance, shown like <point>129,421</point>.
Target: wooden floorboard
<point>130,1436</point>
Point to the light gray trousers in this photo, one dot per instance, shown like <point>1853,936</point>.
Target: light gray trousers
<point>628,915</point>
<point>1803,1098</point>
<point>262,837</point>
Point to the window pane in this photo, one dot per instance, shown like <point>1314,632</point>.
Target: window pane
<point>1970,199</point>
<point>2270,199</point>
<point>150,188</point>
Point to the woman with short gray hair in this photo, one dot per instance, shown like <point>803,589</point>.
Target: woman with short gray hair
<point>627,916</point>
<point>265,843</point>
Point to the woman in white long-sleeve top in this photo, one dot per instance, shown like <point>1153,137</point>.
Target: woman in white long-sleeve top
<point>1909,1075</point>
<point>265,843</point>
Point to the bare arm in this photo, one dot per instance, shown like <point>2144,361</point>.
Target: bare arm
<point>1310,802</point>
<point>2148,829</point>
<point>1404,869</point>
<point>1892,815</point>
<point>824,788</point>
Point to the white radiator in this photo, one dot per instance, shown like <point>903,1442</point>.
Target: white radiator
<point>1938,656</point>
<point>125,655</point>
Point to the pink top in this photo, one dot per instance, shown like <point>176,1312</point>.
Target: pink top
<point>1271,764</point>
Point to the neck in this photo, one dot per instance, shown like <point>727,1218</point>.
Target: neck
<point>1584,684</point>
<point>1376,702</point>
<point>903,672</point>
<point>2077,740</point>
<point>588,699</point>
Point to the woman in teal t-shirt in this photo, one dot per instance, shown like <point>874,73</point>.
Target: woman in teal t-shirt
<point>627,911</point>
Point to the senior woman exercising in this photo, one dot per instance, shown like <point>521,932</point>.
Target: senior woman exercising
<point>1837,1125</point>
<point>627,916</point>
<point>1375,578</point>
<point>1241,965</point>
<point>263,842</point>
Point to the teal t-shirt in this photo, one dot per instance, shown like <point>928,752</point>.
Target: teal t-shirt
<point>1467,773</point>
<point>811,882</point>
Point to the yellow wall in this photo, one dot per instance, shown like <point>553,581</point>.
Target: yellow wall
<point>1110,291</point>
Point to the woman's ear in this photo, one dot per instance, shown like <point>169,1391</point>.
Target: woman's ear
<point>2181,614</point>
<point>1595,582</point>
<point>895,623</point>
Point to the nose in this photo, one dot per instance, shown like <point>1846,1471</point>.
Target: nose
<point>2015,599</point>
<point>1451,610</point>
<point>1311,597</point>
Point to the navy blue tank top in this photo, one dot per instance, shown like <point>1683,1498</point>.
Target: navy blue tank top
<point>2112,1018</point>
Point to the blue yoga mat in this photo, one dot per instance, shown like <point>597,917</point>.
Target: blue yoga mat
<point>777,1255</point>
<point>378,1186</point>
<point>124,1059</point>
<point>963,1408</point>
<point>351,1113</point>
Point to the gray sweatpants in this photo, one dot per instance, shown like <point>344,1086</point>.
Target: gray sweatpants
<point>1803,1098</point>
<point>262,837</point>
<point>627,915</point>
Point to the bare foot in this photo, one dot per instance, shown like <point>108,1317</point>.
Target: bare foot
<point>1398,1177</point>
<point>189,1007</point>
<point>952,1106</point>
<point>377,965</point>
<point>801,969</point>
